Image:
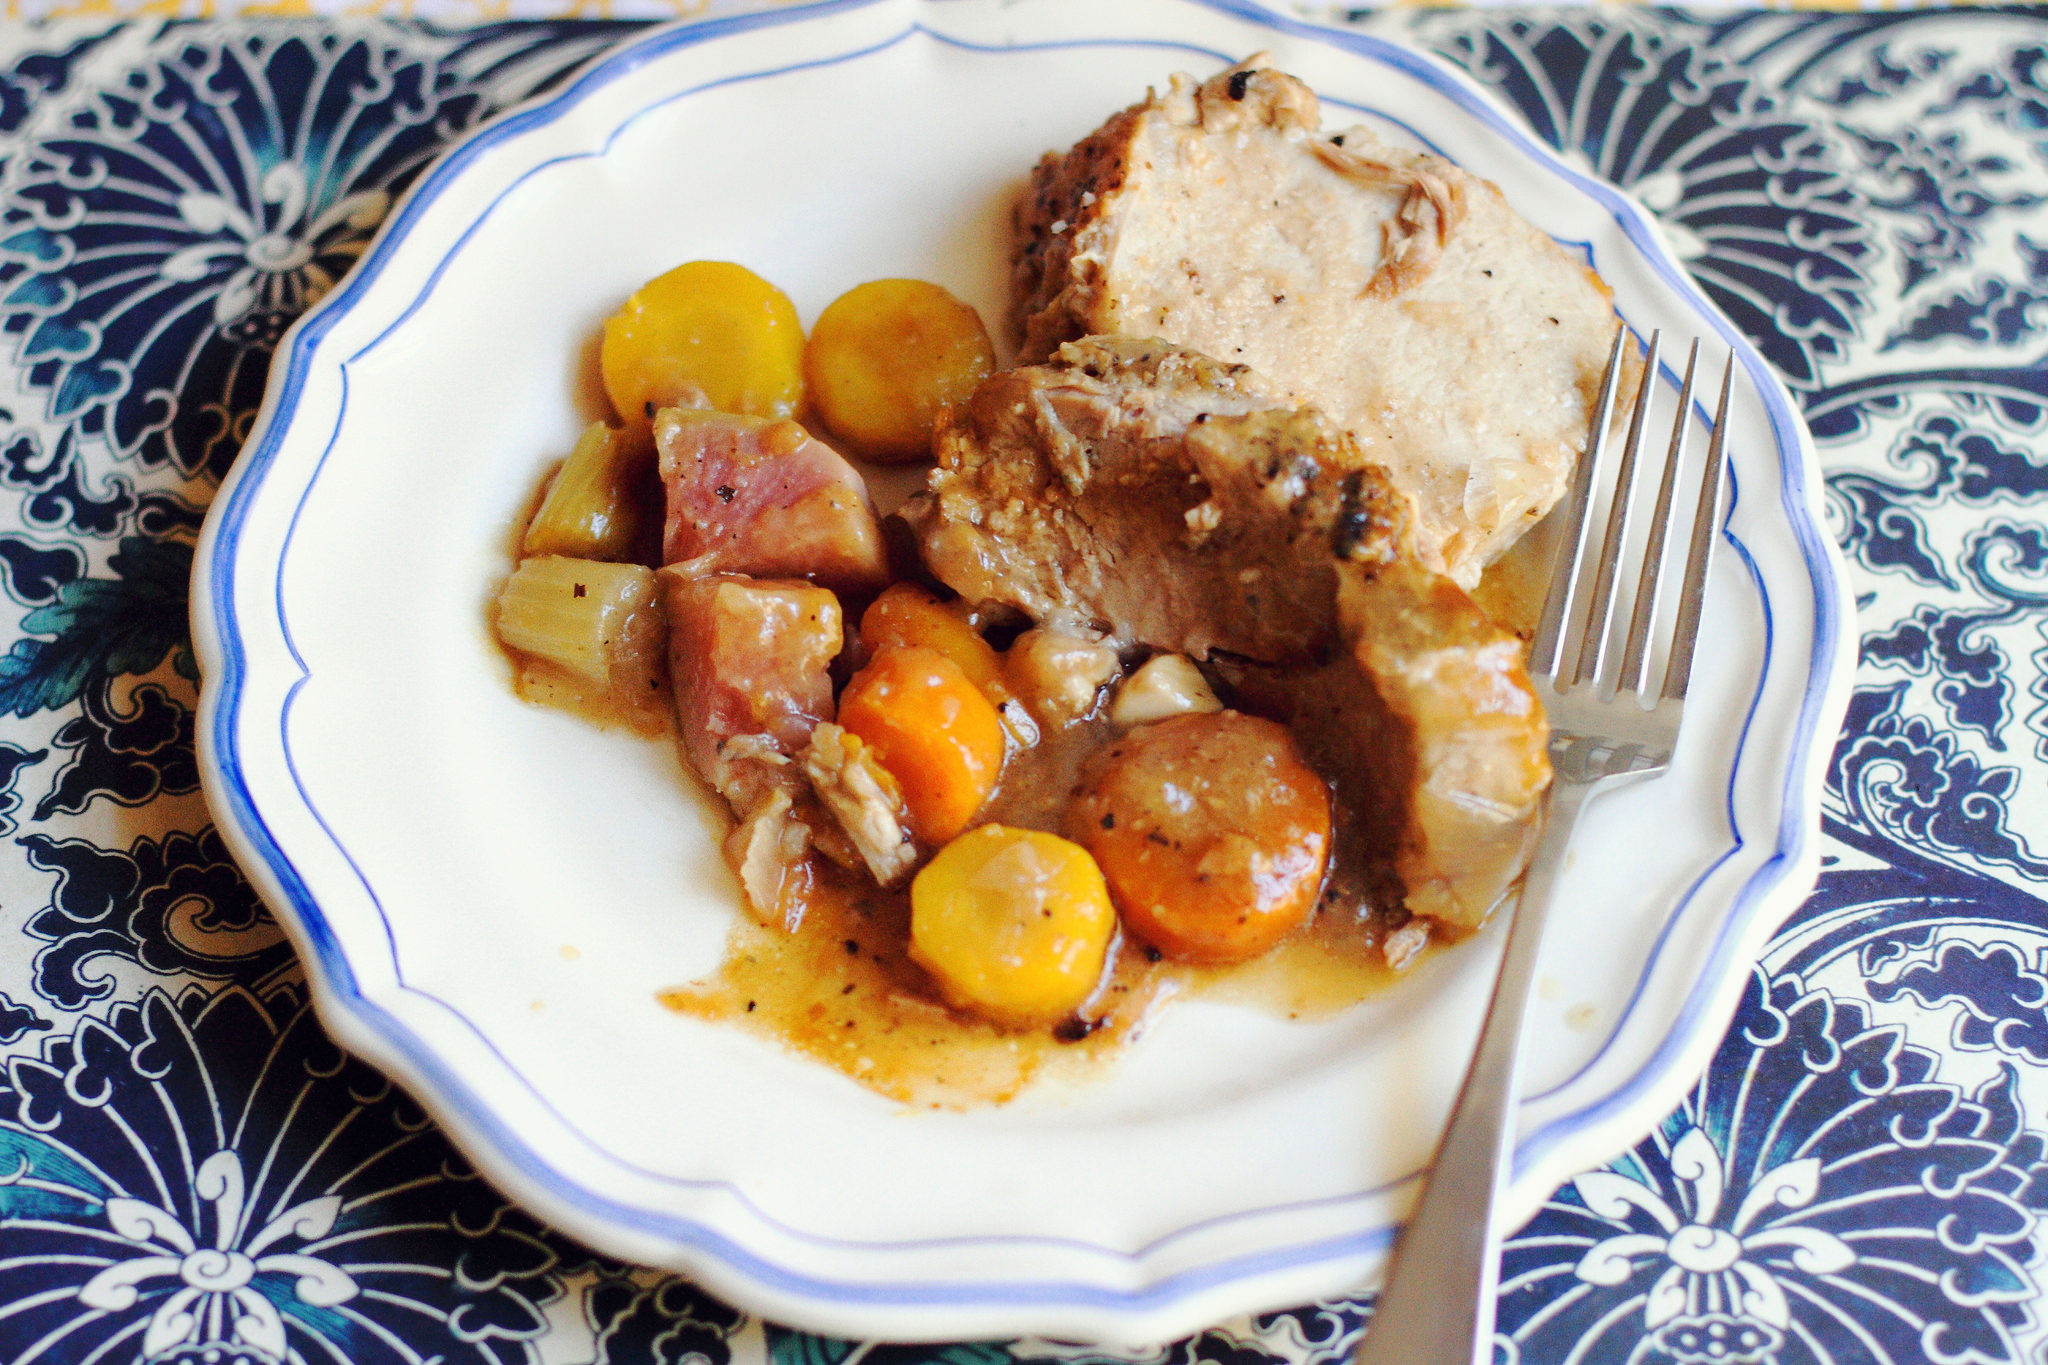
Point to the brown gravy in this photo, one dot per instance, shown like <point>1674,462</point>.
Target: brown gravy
<point>842,988</point>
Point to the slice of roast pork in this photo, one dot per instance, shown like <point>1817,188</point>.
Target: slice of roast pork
<point>1146,491</point>
<point>1458,345</point>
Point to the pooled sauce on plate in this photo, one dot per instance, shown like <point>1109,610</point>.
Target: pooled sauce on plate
<point>842,988</point>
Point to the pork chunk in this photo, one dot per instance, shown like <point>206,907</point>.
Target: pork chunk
<point>766,499</point>
<point>866,801</point>
<point>750,662</point>
<point>767,849</point>
<point>1459,346</point>
<point>1432,736</point>
<point>1146,491</point>
<point>1450,726</point>
<point>1149,492</point>
<point>1060,673</point>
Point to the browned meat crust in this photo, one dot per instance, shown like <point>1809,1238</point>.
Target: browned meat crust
<point>1150,492</point>
<point>1458,345</point>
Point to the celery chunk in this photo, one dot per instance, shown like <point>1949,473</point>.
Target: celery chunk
<point>598,623</point>
<point>594,507</point>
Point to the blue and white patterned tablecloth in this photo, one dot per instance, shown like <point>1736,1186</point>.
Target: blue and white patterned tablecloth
<point>190,1171</point>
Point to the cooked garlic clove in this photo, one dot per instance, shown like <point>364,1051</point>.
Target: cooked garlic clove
<point>1167,685</point>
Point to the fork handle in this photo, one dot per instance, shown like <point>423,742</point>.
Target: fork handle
<point>1438,1304</point>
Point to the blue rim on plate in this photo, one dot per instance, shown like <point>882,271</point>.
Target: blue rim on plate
<point>792,1290</point>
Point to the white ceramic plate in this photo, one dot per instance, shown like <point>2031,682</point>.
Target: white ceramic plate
<point>489,895</point>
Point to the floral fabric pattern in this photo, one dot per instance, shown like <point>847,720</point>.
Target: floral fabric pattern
<point>191,1172</point>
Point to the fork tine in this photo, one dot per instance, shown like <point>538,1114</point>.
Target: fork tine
<point>1706,529</point>
<point>1560,603</point>
<point>1593,645</point>
<point>1635,658</point>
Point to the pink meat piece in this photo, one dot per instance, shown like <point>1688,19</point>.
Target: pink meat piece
<point>750,661</point>
<point>767,499</point>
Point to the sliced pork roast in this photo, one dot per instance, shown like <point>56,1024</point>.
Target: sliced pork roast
<point>1143,490</point>
<point>1147,491</point>
<point>1459,346</point>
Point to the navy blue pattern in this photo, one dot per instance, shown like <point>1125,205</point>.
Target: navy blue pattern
<point>1859,1177</point>
<point>175,1181</point>
<point>1822,1188</point>
<point>188,1166</point>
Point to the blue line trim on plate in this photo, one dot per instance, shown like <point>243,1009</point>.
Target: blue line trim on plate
<point>1798,816</point>
<point>450,1080</point>
<point>298,362</point>
<point>1736,923</point>
<point>1671,921</point>
<point>292,693</point>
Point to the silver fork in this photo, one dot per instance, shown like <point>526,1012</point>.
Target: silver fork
<point>1438,1304</point>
